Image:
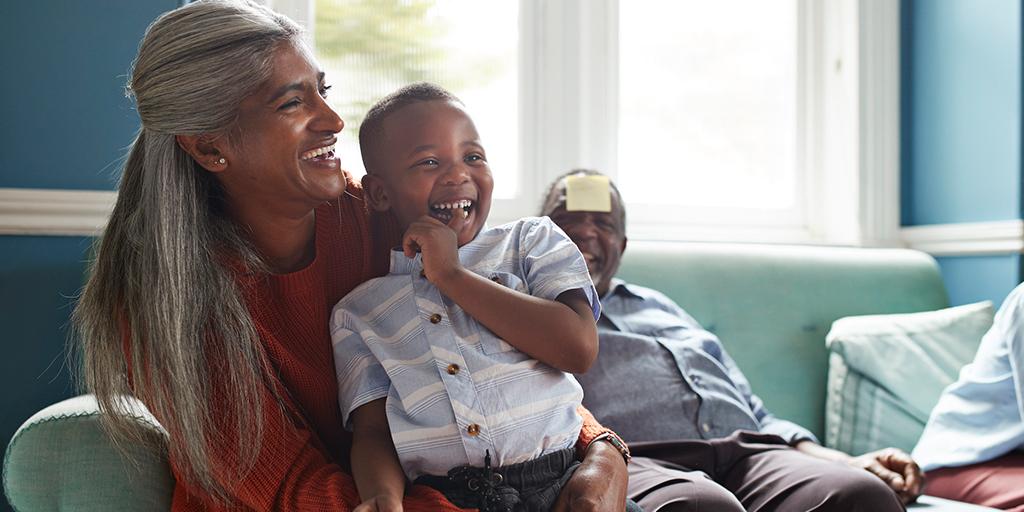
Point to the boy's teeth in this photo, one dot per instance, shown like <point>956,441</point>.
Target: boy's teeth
<point>465,203</point>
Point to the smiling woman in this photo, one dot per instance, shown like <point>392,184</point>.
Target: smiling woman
<point>234,231</point>
<point>282,162</point>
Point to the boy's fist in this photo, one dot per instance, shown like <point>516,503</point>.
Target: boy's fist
<point>437,242</point>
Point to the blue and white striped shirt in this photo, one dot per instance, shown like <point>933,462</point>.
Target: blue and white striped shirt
<point>453,388</point>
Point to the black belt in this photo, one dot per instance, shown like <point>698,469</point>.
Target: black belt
<point>525,487</point>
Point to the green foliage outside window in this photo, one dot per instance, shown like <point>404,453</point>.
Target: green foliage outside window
<point>372,47</point>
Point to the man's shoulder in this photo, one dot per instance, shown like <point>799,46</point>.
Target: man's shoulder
<point>629,297</point>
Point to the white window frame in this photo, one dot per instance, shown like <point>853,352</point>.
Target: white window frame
<point>848,102</point>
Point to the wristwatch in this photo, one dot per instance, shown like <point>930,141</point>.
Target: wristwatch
<point>613,439</point>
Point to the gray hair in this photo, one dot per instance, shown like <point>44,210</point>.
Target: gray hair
<point>162,316</point>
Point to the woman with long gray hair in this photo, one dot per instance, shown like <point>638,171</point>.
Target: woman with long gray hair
<point>234,232</point>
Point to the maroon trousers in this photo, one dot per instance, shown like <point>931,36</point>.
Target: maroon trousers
<point>998,483</point>
<point>748,471</point>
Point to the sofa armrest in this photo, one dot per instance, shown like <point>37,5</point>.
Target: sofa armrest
<point>62,459</point>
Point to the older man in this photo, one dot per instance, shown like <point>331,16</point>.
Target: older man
<point>705,440</point>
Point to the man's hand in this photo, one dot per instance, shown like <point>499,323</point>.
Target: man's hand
<point>895,468</point>
<point>437,242</point>
<point>381,503</point>
<point>599,484</point>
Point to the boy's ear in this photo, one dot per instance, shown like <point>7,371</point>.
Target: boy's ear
<point>375,193</point>
<point>203,149</point>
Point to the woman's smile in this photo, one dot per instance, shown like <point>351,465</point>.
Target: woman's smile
<point>322,157</point>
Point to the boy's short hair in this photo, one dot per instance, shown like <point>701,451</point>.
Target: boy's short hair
<point>555,195</point>
<point>373,125</point>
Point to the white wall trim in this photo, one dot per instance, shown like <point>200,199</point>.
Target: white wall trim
<point>568,95</point>
<point>879,134</point>
<point>967,239</point>
<point>854,121</point>
<point>29,211</point>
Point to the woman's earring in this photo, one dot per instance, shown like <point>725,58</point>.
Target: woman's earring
<point>222,161</point>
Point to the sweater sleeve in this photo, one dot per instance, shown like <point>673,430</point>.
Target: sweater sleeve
<point>591,429</point>
<point>292,473</point>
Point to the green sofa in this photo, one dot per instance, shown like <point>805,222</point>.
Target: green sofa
<point>771,306</point>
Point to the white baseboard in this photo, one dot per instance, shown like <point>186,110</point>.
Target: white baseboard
<point>28,211</point>
<point>967,239</point>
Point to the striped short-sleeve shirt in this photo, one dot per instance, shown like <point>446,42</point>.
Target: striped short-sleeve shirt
<point>455,390</point>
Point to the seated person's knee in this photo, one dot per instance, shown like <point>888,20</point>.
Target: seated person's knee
<point>861,490</point>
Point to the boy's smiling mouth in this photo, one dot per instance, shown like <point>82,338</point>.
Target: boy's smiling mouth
<point>443,211</point>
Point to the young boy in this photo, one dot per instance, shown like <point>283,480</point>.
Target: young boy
<point>452,369</point>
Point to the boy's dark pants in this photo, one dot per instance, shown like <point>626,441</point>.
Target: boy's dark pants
<point>530,486</point>
<point>749,471</point>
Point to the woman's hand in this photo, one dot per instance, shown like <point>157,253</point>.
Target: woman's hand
<point>599,484</point>
<point>381,503</point>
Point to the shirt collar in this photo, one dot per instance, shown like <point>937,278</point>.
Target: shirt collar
<point>620,287</point>
<point>402,265</point>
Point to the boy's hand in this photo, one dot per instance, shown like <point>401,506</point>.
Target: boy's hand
<point>438,242</point>
<point>381,503</point>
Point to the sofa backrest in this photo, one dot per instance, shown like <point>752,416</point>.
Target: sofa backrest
<point>772,305</point>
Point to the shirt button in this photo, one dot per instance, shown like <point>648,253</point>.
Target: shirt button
<point>706,427</point>
<point>473,429</point>
<point>496,279</point>
<point>435,318</point>
<point>453,369</point>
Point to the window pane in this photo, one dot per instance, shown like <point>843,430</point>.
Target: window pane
<point>708,102</point>
<point>369,48</point>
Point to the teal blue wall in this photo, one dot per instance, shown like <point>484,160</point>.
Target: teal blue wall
<point>66,122</point>
<point>978,278</point>
<point>66,117</point>
<point>962,129</point>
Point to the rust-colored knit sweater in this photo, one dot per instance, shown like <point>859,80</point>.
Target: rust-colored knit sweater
<point>303,463</point>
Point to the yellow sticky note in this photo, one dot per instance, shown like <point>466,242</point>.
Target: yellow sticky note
<point>588,194</point>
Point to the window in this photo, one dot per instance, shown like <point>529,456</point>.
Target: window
<point>370,48</point>
<point>727,120</point>
<point>708,109</point>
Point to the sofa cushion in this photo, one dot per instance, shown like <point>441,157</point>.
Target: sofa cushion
<point>886,373</point>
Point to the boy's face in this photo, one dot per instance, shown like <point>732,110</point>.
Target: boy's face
<point>429,161</point>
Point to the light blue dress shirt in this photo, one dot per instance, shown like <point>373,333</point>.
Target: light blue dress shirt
<point>660,376</point>
<point>455,390</point>
<point>979,417</point>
